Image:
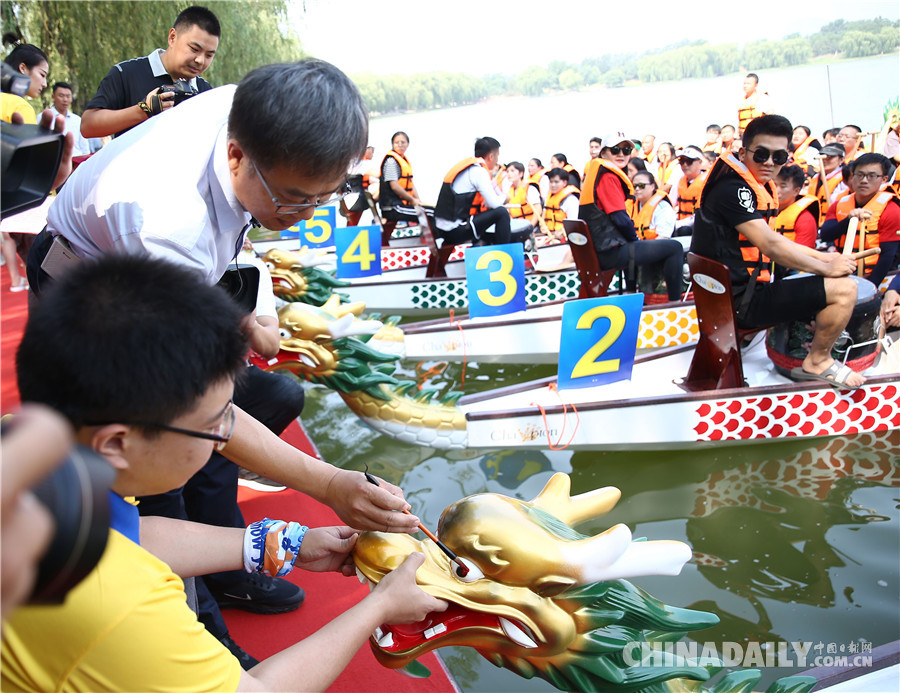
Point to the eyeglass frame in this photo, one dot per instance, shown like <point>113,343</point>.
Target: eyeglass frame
<point>641,186</point>
<point>769,155</point>
<point>284,208</point>
<point>616,150</point>
<point>868,176</point>
<point>220,439</point>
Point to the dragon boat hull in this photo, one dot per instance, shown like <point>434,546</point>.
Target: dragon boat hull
<point>531,337</point>
<point>651,411</point>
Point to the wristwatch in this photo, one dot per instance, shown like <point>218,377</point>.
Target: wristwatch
<point>145,108</point>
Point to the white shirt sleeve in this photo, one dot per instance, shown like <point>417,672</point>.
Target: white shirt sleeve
<point>663,220</point>
<point>482,182</point>
<point>533,196</point>
<point>570,207</point>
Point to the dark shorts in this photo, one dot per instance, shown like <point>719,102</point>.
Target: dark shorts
<point>788,300</point>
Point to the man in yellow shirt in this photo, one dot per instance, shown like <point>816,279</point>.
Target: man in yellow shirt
<point>156,419</point>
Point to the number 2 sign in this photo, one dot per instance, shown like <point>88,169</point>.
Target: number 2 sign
<point>598,340</point>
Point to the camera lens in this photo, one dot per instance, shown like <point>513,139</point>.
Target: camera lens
<point>77,495</point>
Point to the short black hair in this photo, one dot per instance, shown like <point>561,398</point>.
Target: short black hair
<point>399,132</point>
<point>855,127</point>
<point>128,338</point>
<point>61,85</point>
<point>560,157</point>
<point>714,127</point>
<point>648,175</point>
<point>831,131</point>
<point>774,125</point>
<point>306,116</point>
<point>199,17</point>
<point>485,145</point>
<point>558,173</point>
<point>753,75</point>
<point>729,125</point>
<point>710,156</point>
<point>596,139</point>
<point>874,158</point>
<point>516,165</point>
<point>794,174</point>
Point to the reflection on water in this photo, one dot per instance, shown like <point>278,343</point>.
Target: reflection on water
<point>792,541</point>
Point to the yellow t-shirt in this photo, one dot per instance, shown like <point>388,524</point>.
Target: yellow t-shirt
<point>10,103</point>
<point>126,627</point>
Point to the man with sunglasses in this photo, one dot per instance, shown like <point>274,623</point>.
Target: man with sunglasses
<point>607,198</point>
<point>733,226</point>
<point>156,419</point>
<point>185,186</point>
<point>877,208</point>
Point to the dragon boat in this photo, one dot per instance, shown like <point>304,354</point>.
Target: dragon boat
<point>676,397</point>
<point>541,599</point>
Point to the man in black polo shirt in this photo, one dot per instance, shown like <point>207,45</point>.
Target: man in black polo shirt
<point>127,96</point>
<point>731,227</point>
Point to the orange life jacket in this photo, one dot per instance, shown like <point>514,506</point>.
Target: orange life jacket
<point>800,152</point>
<point>553,211</point>
<point>868,229</point>
<point>644,216</point>
<point>518,201</point>
<point>574,178</point>
<point>387,196</point>
<point>664,172</point>
<point>452,205</point>
<point>689,195</point>
<point>603,232</point>
<point>747,111</point>
<point>766,204</point>
<point>784,222</point>
<point>823,190</point>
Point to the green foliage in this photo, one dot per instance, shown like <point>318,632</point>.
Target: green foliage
<point>84,39</point>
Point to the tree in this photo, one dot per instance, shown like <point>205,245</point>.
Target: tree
<point>84,39</point>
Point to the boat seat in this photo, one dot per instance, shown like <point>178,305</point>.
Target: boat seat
<point>717,363</point>
<point>594,281</point>
<point>439,256</point>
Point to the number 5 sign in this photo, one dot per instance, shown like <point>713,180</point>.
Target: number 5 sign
<point>598,340</point>
<point>496,278</point>
<point>317,232</point>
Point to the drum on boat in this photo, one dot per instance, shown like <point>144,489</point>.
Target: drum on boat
<point>787,344</point>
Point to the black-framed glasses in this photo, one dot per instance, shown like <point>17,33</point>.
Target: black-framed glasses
<point>221,436</point>
<point>872,175</point>
<point>293,208</point>
<point>621,150</point>
<point>761,155</point>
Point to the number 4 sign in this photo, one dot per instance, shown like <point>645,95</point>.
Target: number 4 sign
<point>598,340</point>
<point>358,251</point>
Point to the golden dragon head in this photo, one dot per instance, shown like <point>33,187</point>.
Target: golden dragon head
<point>540,598</point>
<point>295,276</point>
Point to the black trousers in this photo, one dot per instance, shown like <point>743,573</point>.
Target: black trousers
<point>210,496</point>
<point>500,234</point>
<point>665,250</point>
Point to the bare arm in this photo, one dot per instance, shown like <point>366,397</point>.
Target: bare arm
<point>358,503</point>
<point>402,194</point>
<point>100,122</point>
<point>793,255</point>
<point>314,663</point>
<point>263,335</point>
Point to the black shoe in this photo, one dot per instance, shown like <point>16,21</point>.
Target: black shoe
<point>258,593</point>
<point>247,662</point>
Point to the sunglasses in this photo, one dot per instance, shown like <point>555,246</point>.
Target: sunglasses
<point>641,186</point>
<point>615,151</point>
<point>761,155</point>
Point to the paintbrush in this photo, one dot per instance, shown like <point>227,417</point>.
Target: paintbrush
<point>459,568</point>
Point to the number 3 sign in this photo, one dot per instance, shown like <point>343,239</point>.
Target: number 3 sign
<point>496,278</point>
<point>598,340</point>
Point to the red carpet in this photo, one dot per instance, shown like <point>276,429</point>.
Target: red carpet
<point>327,594</point>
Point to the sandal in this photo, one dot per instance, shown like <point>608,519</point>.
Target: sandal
<point>835,375</point>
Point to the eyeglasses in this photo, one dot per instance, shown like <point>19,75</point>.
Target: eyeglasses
<point>293,208</point>
<point>761,155</point>
<point>687,161</point>
<point>859,175</point>
<point>615,151</point>
<point>221,436</point>
<point>641,186</point>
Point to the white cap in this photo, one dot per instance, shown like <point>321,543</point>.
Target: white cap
<point>615,137</point>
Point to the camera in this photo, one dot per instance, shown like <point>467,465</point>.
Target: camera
<point>77,496</point>
<point>29,155</point>
<point>181,89</point>
<point>242,284</point>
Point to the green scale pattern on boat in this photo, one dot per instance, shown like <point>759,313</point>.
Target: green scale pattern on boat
<point>539,288</point>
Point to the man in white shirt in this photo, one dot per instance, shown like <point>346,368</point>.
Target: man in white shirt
<point>470,207</point>
<point>62,101</point>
